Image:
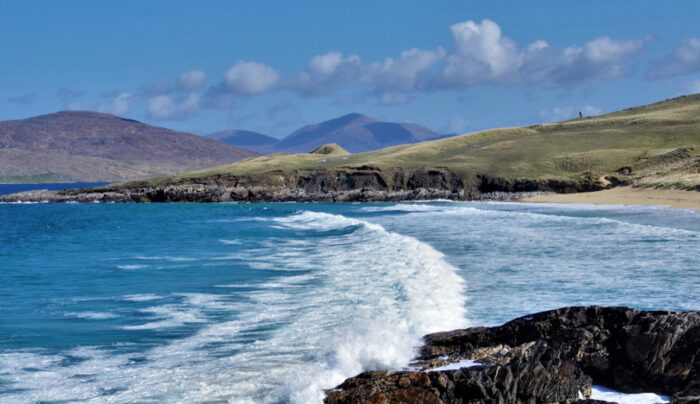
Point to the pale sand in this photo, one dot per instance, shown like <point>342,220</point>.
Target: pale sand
<point>626,196</point>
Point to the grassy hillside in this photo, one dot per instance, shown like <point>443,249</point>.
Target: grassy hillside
<point>640,138</point>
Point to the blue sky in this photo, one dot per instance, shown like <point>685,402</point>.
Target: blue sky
<point>274,66</point>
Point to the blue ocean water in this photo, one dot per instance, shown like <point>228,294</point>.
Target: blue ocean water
<point>275,302</point>
<point>6,189</point>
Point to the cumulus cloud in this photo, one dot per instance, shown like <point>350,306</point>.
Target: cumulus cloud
<point>23,99</point>
<point>483,55</point>
<point>566,113</point>
<point>163,107</point>
<point>683,60</point>
<point>191,80</point>
<point>250,78</point>
<point>325,73</point>
<point>408,72</point>
<point>120,105</point>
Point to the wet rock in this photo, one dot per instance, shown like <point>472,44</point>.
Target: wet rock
<point>548,357</point>
<point>540,375</point>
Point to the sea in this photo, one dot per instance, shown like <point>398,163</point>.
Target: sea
<point>273,303</point>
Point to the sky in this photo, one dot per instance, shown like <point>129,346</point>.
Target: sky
<point>275,66</point>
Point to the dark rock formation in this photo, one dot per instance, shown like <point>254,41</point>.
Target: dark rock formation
<point>345,184</point>
<point>548,357</point>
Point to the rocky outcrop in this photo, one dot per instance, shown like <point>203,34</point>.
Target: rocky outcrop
<point>551,357</point>
<point>347,184</point>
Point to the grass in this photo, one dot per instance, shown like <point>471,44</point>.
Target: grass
<point>601,144</point>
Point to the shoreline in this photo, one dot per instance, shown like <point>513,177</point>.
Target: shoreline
<point>567,355</point>
<point>626,196</point>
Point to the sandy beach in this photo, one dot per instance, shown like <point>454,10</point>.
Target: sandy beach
<point>627,196</point>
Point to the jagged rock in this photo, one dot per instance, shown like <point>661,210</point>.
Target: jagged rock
<point>540,375</point>
<point>548,357</point>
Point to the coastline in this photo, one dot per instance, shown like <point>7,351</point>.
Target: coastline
<point>567,355</point>
<point>625,196</point>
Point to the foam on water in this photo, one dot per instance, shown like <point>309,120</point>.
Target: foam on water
<point>318,297</point>
<point>91,315</point>
<point>309,332</point>
<point>605,394</point>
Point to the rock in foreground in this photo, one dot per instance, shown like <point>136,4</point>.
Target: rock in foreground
<point>549,357</point>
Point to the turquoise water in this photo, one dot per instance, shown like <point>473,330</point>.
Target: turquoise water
<point>274,303</point>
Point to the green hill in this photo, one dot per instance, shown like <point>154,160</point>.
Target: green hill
<point>651,146</point>
<point>642,141</point>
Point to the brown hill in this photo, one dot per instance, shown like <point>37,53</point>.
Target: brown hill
<point>90,146</point>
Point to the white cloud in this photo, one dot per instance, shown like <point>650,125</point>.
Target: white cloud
<point>406,73</point>
<point>457,125</point>
<point>607,50</point>
<point>327,63</point>
<point>250,78</point>
<point>483,55</point>
<point>327,72</point>
<point>164,107</point>
<point>191,80</point>
<point>120,105</point>
<point>684,59</point>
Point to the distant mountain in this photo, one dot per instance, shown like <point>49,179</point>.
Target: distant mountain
<point>90,146</point>
<point>356,133</point>
<point>244,138</point>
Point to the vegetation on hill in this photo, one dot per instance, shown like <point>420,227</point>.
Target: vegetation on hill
<point>656,145</point>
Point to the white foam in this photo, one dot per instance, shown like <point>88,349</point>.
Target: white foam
<point>605,394</point>
<point>230,242</point>
<point>191,310</point>
<point>144,297</point>
<point>130,267</point>
<point>397,289</point>
<point>164,258</point>
<point>308,332</point>
<point>464,363</point>
<point>352,300</point>
<point>91,315</point>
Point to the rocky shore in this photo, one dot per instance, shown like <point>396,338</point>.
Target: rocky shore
<point>350,184</point>
<point>550,357</point>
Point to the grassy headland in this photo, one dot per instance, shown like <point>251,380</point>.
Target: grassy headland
<point>655,145</point>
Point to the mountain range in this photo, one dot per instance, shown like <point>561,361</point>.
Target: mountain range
<point>354,132</point>
<point>89,146</point>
